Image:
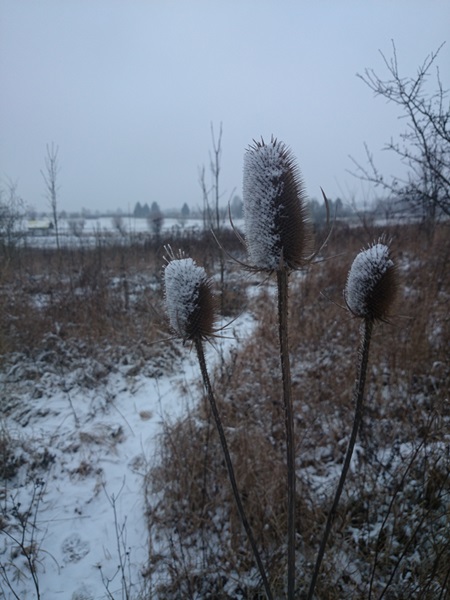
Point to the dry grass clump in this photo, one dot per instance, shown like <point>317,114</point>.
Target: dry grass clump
<point>391,538</point>
<point>79,293</point>
<point>207,552</point>
<point>108,294</point>
<point>10,462</point>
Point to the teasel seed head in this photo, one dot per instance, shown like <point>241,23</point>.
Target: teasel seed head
<point>278,232</point>
<point>372,283</point>
<point>190,303</point>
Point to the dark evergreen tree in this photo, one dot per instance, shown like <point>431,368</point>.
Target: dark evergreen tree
<point>237,208</point>
<point>155,219</point>
<point>185,211</point>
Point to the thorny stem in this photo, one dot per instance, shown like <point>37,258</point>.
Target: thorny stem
<point>226,452</point>
<point>358,397</point>
<point>282,281</point>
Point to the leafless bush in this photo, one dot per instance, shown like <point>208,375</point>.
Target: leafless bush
<point>424,146</point>
<point>76,226</point>
<point>11,214</point>
<point>19,524</point>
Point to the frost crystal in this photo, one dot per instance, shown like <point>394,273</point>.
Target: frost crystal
<point>273,210</point>
<point>370,286</point>
<point>185,287</point>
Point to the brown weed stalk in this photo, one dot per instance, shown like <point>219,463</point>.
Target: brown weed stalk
<point>277,237</point>
<point>191,309</point>
<point>369,293</point>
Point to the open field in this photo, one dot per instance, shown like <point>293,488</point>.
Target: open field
<point>113,485</point>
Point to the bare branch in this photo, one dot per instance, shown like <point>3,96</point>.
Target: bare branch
<point>50,176</point>
<point>425,144</point>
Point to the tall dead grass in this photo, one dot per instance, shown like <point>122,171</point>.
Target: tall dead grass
<point>108,294</point>
<point>392,535</point>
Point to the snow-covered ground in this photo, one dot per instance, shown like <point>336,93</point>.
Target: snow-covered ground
<point>76,504</point>
<point>90,231</point>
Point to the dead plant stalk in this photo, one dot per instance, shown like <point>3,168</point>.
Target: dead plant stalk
<point>282,282</point>
<point>358,396</point>
<point>229,464</point>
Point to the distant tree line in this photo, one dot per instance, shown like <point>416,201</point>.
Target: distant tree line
<point>141,212</point>
<point>336,209</point>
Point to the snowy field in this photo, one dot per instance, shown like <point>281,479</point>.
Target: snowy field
<point>106,229</point>
<point>82,516</point>
<point>88,399</point>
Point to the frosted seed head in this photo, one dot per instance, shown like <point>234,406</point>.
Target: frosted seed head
<point>189,300</point>
<point>372,283</point>
<point>277,231</point>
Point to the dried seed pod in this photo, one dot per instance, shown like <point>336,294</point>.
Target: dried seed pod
<point>190,303</point>
<point>277,229</point>
<point>372,283</point>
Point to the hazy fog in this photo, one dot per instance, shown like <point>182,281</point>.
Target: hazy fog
<point>128,90</point>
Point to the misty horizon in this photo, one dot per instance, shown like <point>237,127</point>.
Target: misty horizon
<point>129,93</point>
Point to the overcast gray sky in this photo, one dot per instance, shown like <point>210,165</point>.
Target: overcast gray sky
<point>128,90</point>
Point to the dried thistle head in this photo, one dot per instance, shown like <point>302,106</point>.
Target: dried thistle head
<point>190,303</point>
<point>371,283</point>
<point>278,232</point>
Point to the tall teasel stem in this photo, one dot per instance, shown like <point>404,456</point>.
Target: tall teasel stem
<point>358,397</point>
<point>282,281</point>
<point>277,236</point>
<point>369,293</point>
<point>223,440</point>
<point>191,311</point>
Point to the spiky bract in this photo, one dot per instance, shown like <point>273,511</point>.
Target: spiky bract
<point>276,224</point>
<point>372,283</point>
<point>190,303</point>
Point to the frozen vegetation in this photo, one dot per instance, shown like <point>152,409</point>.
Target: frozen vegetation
<point>112,481</point>
<point>83,434</point>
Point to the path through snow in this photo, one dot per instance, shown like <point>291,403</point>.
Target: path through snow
<point>94,447</point>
